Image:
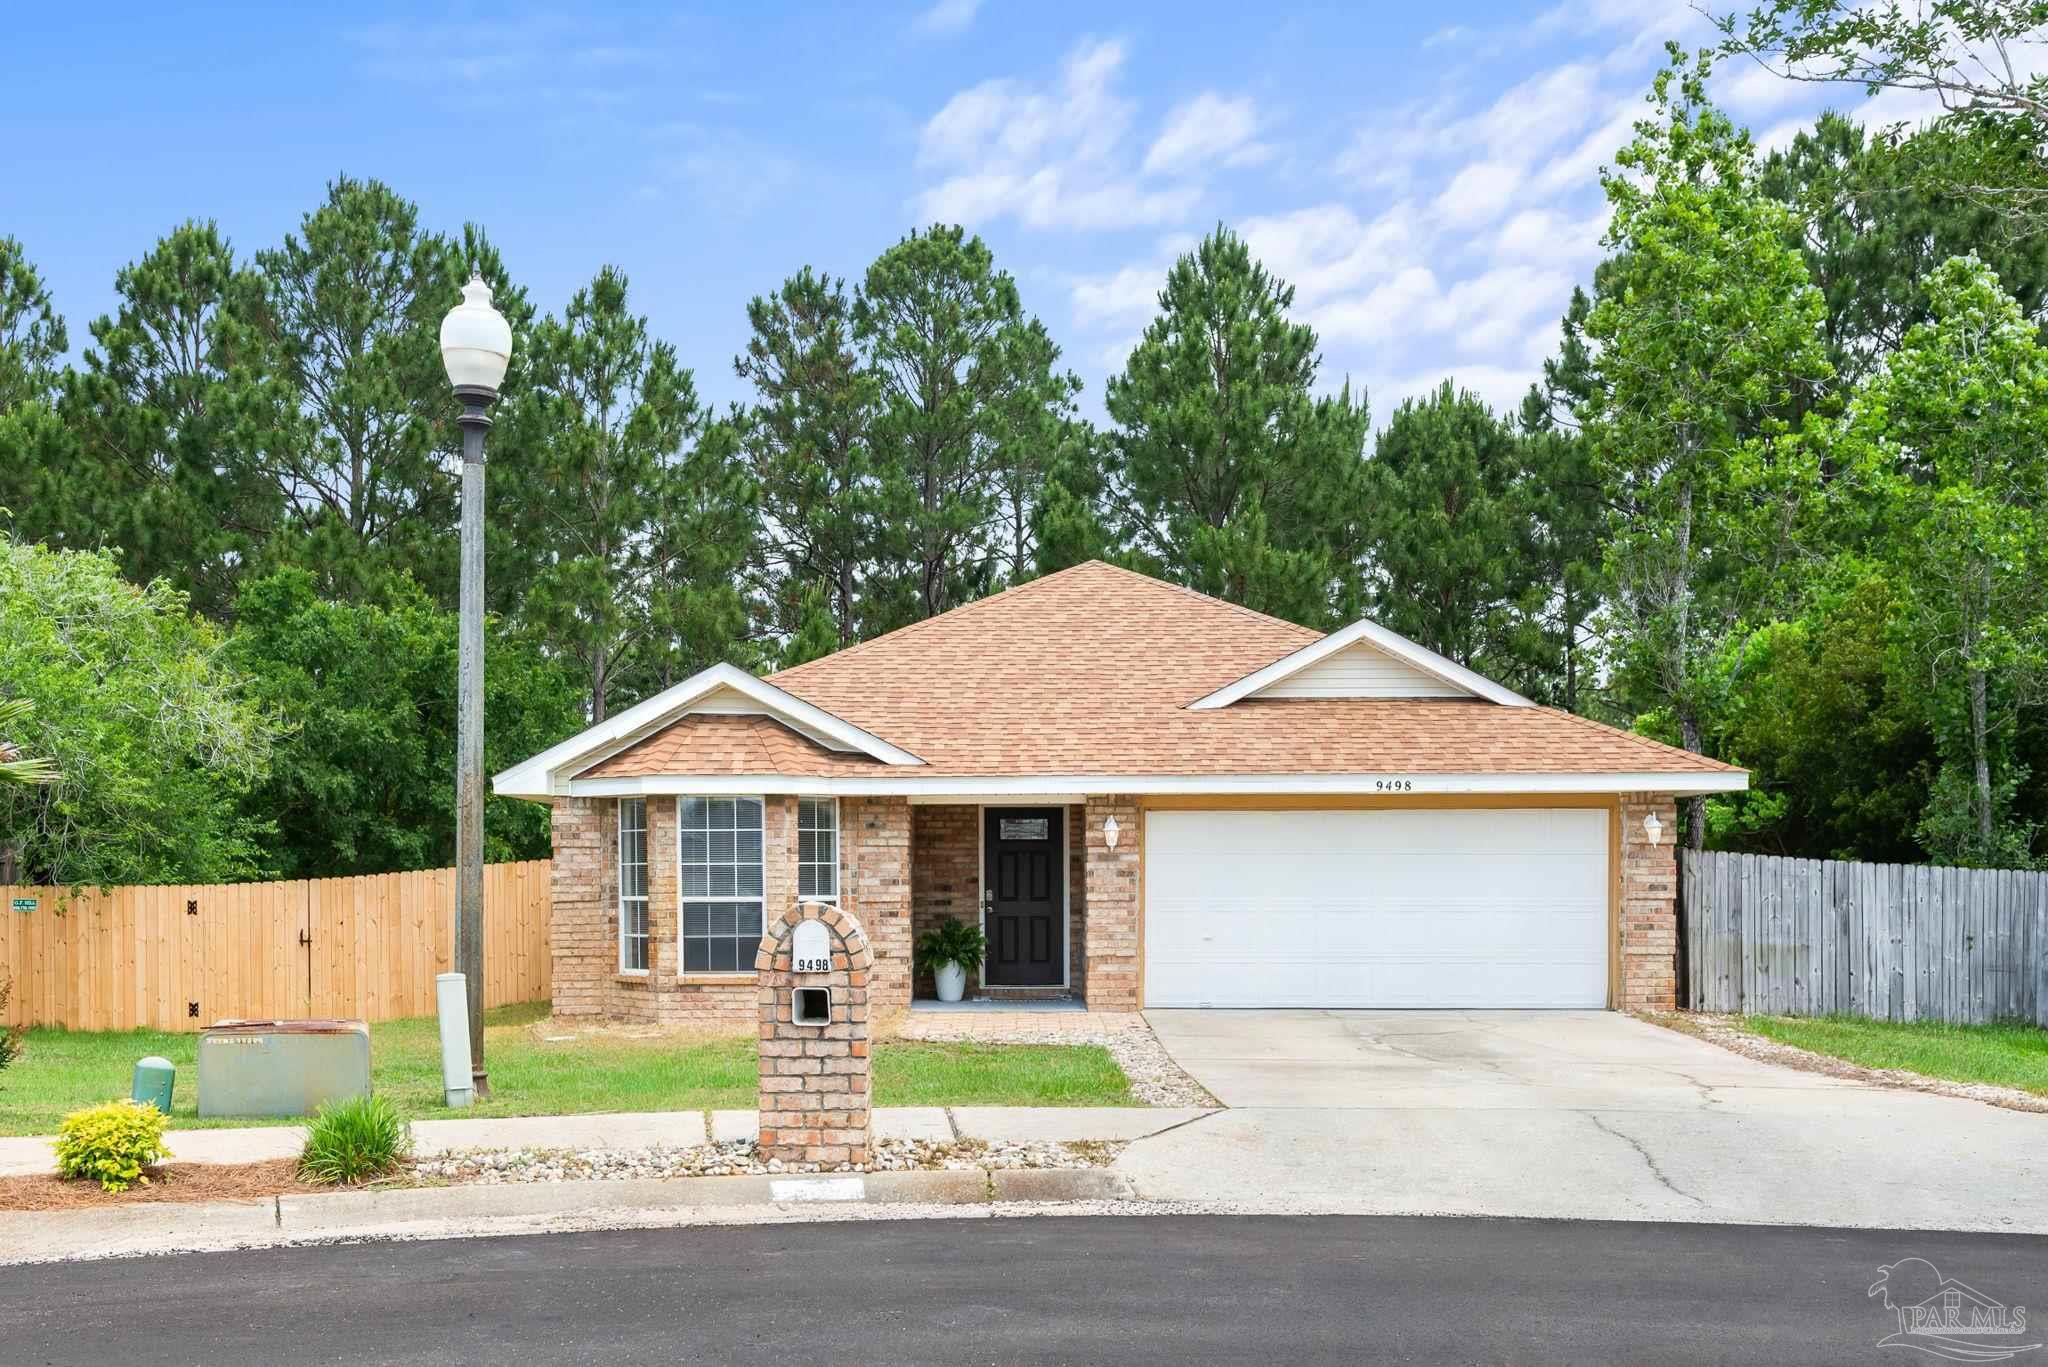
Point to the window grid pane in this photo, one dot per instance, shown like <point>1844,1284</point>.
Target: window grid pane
<point>633,885</point>
<point>720,852</point>
<point>817,848</point>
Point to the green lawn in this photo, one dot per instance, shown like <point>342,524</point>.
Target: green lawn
<point>62,1070</point>
<point>2010,1055</point>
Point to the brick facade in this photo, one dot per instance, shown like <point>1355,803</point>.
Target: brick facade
<point>1113,951</point>
<point>874,883</point>
<point>814,1092</point>
<point>1649,905</point>
<point>875,878</point>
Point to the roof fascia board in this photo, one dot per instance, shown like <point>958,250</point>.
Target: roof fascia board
<point>1052,787</point>
<point>1371,633</point>
<point>536,777</point>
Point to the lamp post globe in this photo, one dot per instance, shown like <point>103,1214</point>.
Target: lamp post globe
<point>476,347</point>
<point>476,343</point>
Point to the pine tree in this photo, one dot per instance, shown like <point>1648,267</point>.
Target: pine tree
<point>967,395</point>
<point>171,413</point>
<point>1225,471</point>
<point>806,438</point>
<point>350,321</point>
<point>597,493</point>
<point>1453,525</point>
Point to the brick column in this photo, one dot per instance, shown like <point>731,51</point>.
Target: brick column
<point>814,1097</point>
<point>874,872</point>
<point>1649,904</point>
<point>582,922</point>
<point>1112,895</point>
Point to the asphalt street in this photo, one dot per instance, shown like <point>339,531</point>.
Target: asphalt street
<point>1162,1289</point>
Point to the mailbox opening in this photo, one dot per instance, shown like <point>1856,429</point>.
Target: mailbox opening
<point>811,1006</point>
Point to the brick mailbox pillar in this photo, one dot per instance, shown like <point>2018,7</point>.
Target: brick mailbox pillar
<point>814,1049</point>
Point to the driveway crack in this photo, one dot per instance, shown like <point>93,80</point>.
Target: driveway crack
<point>1644,1154</point>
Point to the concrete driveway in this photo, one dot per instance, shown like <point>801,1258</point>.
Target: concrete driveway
<point>1571,1114</point>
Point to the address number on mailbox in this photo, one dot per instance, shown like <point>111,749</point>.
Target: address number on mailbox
<point>810,948</point>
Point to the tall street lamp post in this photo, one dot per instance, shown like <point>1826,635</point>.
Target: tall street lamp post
<point>476,346</point>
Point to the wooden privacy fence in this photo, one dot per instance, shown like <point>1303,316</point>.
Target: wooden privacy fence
<point>180,958</point>
<point>1812,937</point>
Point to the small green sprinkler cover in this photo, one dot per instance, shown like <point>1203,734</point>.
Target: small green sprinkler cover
<point>153,1079</point>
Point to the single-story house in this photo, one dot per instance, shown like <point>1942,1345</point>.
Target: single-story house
<point>1146,796</point>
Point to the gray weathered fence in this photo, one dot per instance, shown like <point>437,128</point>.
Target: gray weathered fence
<point>1811,937</point>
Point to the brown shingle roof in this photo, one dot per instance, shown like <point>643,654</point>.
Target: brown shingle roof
<point>1090,671</point>
<point>716,743</point>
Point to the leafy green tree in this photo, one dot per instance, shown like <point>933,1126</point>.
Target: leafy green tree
<point>1825,709</point>
<point>597,490</point>
<point>1225,471</point>
<point>350,320</point>
<point>1715,331</point>
<point>1873,224</point>
<point>1453,533</point>
<point>806,438</point>
<point>364,781</point>
<point>152,731</point>
<point>17,769</point>
<point>966,394</point>
<point>1951,437</point>
<point>171,413</point>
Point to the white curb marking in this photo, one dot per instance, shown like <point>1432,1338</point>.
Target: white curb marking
<point>819,1189</point>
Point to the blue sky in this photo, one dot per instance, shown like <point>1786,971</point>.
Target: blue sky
<point>1426,176</point>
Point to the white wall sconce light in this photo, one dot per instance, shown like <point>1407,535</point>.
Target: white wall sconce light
<point>1652,827</point>
<point>1110,831</point>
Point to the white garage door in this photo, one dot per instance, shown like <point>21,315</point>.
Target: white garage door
<point>1500,908</point>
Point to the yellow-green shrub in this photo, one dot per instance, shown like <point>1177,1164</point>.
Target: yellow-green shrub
<point>112,1143</point>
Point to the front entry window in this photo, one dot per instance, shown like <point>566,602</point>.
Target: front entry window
<point>721,868</point>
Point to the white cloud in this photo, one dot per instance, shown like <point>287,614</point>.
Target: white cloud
<point>1546,236</point>
<point>1208,130</point>
<point>1581,165</point>
<point>1326,249</point>
<point>947,16</point>
<point>1129,296</point>
<point>1478,194</point>
<point>1051,157</point>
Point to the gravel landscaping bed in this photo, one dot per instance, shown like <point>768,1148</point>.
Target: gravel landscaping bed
<point>1156,1080</point>
<point>491,1167</point>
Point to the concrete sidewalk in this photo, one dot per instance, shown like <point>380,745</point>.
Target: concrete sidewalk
<point>663,1129</point>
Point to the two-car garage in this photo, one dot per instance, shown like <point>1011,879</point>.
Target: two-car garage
<point>1500,907</point>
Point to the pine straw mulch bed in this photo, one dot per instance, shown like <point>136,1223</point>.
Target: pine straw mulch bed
<point>169,1182</point>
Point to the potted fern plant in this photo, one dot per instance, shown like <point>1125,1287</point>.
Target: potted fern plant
<point>950,951</point>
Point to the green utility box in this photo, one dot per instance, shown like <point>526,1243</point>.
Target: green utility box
<point>281,1067</point>
<point>154,1078</point>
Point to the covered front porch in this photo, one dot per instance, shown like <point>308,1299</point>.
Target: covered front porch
<point>1020,873</point>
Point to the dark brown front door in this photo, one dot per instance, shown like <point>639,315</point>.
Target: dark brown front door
<point>1023,894</point>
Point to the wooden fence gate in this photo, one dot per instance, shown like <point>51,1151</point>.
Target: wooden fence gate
<point>182,957</point>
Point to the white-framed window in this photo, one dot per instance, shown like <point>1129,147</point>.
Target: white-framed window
<point>633,885</point>
<point>817,848</point>
<point>720,866</point>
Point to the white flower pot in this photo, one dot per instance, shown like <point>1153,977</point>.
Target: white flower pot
<point>952,981</point>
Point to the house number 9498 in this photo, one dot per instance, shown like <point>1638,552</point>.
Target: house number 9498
<point>1393,785</point>
<point>814,965</point>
